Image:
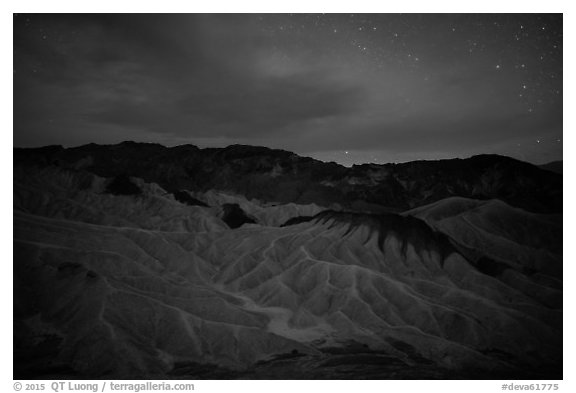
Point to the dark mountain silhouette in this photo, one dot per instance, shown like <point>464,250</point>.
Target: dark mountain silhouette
<point>554,166</point>
<point>281,176</point>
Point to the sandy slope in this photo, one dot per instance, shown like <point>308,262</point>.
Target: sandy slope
<point>526,247</point>
<point>133,285</point>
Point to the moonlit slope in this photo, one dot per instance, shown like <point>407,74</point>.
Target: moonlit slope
<point>136,285</point>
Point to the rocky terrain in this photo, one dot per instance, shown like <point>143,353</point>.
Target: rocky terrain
<point>283,177</point>
<point>140,261</point>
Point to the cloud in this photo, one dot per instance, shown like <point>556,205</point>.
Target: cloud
<point>274,103</point>
<point>236,106</point>
<point>240,79</point>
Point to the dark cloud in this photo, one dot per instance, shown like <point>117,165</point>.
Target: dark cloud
<point>274,102</point>
<point>238,107</point>
<point>413,84</point>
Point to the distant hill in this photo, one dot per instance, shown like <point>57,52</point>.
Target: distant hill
<point>554,166</point>
<point>284,177</point>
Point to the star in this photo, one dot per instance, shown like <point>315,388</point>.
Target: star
<point>390,61</point>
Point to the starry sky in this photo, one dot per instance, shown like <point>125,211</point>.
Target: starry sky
<point>350,88</point>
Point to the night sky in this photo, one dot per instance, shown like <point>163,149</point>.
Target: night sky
<point>350,88</point>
